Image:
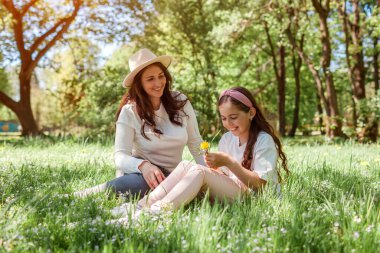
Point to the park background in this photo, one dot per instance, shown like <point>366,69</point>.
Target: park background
<point>312,65</point>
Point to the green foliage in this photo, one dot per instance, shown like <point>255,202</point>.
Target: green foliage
<point>369,110</point>
<point>330,203</point>
<point>98,107</point>
<point>215,45</point>
<point>5,114</point>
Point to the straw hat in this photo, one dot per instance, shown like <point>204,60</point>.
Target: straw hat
<point>140,60</point>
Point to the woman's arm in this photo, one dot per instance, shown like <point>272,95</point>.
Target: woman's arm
<point>124,137</point>
<point>124,161</point>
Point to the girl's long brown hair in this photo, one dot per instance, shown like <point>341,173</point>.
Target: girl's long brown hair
<point>144,108</point>
<point>258,123</point>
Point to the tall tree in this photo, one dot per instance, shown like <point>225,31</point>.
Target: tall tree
<point>325,83</point>
<point>353,34</point>
<point>33,28</point>
<point>30,53</point>
<point>354,19</point>
<point>279,67</point>
<point>296,64</point>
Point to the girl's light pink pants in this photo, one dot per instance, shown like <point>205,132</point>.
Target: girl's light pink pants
<point>186,181</point>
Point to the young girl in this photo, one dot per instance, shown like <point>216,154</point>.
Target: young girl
<point>247,158</point>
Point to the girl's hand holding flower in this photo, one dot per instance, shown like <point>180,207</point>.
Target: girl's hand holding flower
<point>217,159</point>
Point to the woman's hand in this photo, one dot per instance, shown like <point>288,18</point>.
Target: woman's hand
<point>152,174</point>
<point>217,159</point>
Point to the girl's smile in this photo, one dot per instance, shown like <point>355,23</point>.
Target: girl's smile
<point>236,120</point>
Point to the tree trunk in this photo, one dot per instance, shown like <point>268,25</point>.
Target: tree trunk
<point>335,129</point>
<point>354,113</point>
<point>296,71</point>
<point>29,58</point>
<point>334,126</point>
<point>24,109</point>
<point>376,65</point>
<point>358,68</point>
<point>281,91</point>
<point>25,116</point>
<point>372,129</point>
<point>280,73</point>
<point>320,112</point>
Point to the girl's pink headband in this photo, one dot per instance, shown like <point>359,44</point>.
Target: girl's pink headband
<point>238,96</point>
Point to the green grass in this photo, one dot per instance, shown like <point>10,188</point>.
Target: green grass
<point>329,204</point>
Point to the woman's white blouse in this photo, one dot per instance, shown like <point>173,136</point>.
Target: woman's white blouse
<point>165,150</point>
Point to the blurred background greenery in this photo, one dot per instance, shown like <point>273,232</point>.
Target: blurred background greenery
<point>312,65</point>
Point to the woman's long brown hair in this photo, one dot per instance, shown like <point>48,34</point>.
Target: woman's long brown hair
<point>258,123</point>
<point>144,108</point>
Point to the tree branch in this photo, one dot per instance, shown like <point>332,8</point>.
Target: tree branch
<point>320,9</point>
<point>311,67</point>
<point>345,22</point>
<point>40,39</point>
<point>272,51</point>
<point>261,88</point>
<point>65,27</point>
<point>248,63</point>
<point>17,27</point>
<point>7,101</point>
<point>25,9</point>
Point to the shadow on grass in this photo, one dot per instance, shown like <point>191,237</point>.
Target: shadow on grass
<point>47,140</point>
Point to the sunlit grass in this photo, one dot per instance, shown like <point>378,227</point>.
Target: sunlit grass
<point>329,204</point>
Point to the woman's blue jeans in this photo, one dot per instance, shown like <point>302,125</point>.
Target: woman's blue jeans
<point>132,185</point>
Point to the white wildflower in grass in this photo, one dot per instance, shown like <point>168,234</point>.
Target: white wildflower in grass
<point>369,228</point>
<point>283,230</point>
<point>256,249</point>
<point>357,219</point>
<point>356,235</point>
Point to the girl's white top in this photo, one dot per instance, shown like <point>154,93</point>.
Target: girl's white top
<point>264,155</point>
<point>165,150</point>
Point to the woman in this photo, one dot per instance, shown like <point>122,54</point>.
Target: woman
<point>153,126</point>
<point>246,160</point>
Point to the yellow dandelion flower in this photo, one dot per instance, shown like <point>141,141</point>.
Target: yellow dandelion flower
<point>205,146</point>
<point>364,163</point>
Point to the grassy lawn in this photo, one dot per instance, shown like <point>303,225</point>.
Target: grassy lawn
<point>329,204</point>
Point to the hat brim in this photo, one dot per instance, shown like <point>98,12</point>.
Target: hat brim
<point>164,59</point>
